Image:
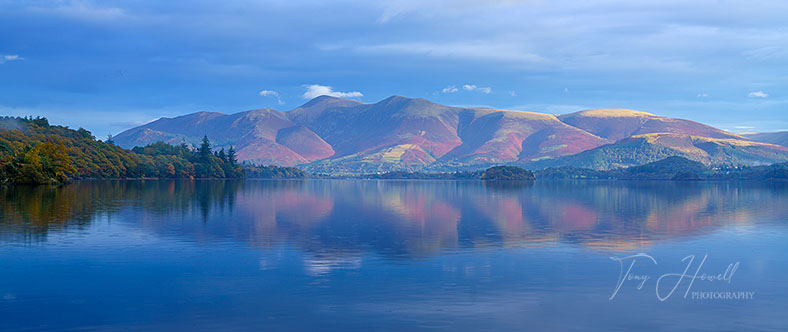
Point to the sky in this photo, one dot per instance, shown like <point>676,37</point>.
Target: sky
<point>110,65</point>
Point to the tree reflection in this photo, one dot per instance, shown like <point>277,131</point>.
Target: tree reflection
<point>396,219</point>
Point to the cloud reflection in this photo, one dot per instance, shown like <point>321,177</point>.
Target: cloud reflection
<point>335,222</point>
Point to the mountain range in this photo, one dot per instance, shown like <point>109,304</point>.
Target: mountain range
<point>335,135</point>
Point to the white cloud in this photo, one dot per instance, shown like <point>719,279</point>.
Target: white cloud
<point>449,89</point>
<point>758,94</point>
<point>272,93</point>
<point>471,87</point>
<point>513,93</point>
<point>702,95</point>
<point>10,57</point>
<point>316,90</point>
<point>745,127</point>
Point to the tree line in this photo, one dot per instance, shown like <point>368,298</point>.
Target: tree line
<point>33,151</point>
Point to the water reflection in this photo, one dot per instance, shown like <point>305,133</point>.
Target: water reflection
<point>336,220</point>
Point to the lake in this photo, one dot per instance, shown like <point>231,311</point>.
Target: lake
<point>350,255</point>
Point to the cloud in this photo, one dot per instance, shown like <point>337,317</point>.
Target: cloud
<point>758,94</point>
<point>272,93</point>
<point>268,93</point>
<point>316,90</point>
<point>449,89</point>
<point>10,57</point>
<point>702,95</point>
<point>392,9</point>
<point>471,87</point>
<point>501,51</point>
<point>745,127</point>
<point>81,10</point>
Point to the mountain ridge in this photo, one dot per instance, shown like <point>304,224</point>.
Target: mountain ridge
<point>330,135</point>
<point>778,137</point>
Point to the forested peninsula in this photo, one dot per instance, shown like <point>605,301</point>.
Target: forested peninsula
<point>34,152</point>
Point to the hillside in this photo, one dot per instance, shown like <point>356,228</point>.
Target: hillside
<point>671,168</point>
<point>261,136</point>
<point>777,138</point>
<point>404,133</point>
<point>334,135</point>
<point>643,149</point>
<point>616,124</point>
<point>664,169</point>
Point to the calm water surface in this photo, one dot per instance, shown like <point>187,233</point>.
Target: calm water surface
<point>393,255</point>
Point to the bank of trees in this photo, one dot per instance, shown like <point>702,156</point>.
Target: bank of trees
<point>33,151</point>
<point>273,172</point>
<point>493,173</point>
<point>40,163</point>
<point>167,161</point>
<point>468,175</point>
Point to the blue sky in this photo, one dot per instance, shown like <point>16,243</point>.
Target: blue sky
<point>111,65</point>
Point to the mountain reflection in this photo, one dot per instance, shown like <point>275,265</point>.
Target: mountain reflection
<point>344,218</point>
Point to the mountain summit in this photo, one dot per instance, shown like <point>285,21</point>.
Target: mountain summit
<point>329,134</point>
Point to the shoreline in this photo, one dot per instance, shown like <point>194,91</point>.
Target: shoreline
<point>436,179</point>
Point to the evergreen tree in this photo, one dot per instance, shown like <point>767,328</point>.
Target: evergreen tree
<point>222,155</point>
<point>231,158</point>
<point>109,140</point>
<point>205,148</point>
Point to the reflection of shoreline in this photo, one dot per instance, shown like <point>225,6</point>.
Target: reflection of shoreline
<point>396,218</point>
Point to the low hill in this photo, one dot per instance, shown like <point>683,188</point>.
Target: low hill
<point>671,168</point>
<point>664,169</point>
<point>643,149</point>
<point>507,173</point>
